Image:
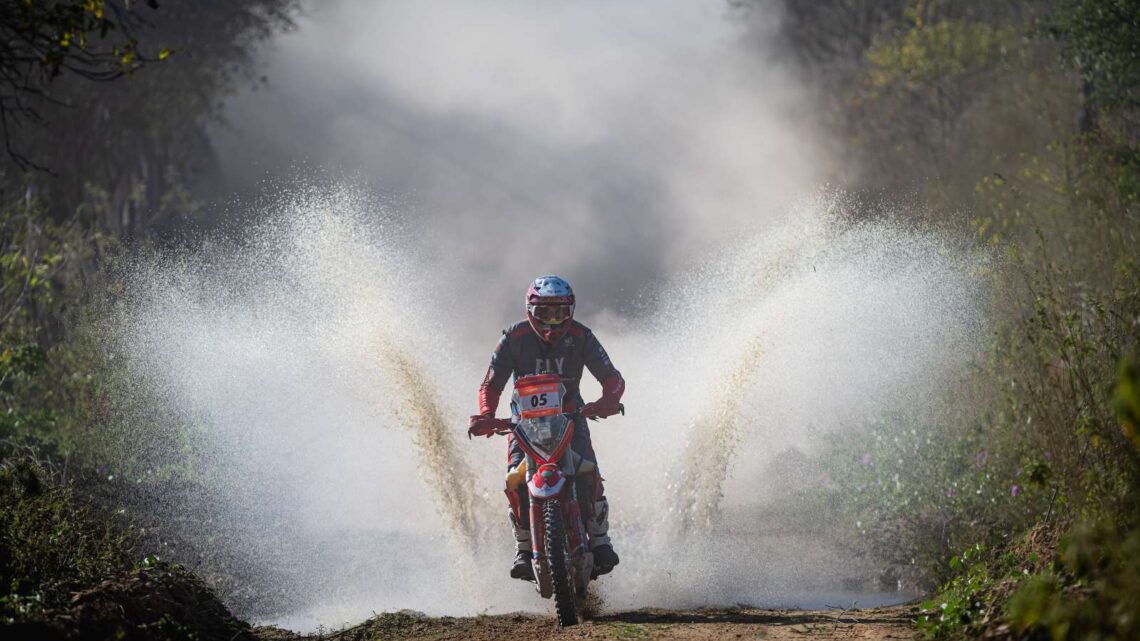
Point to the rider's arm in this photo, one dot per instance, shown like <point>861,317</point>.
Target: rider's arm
<point>498,373</point>
<point>599,364</point>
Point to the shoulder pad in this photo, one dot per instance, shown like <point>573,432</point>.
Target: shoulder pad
<point>521,328</point>
<point>578,329</point>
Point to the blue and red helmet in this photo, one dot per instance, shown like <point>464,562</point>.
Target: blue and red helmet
<point>550,307</point>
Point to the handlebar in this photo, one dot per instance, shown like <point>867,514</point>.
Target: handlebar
<point>573,415</point>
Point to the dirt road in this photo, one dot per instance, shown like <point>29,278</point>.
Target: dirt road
<point>696,625</point>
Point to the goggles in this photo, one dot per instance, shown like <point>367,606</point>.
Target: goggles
<point>551,314</point>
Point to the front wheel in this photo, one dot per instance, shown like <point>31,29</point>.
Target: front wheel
<point>564,602</point>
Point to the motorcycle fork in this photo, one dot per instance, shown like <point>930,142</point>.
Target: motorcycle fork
<point>572,517</point>
<point>574,525</point>
<point>537,530</point>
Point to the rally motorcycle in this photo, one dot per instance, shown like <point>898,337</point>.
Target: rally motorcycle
<point>563,563</point>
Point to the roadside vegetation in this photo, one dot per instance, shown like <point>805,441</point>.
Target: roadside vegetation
<point>103,107</point>
<point>1014,498</point>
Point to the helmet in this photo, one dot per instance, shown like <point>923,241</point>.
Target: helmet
<point>549,307</point>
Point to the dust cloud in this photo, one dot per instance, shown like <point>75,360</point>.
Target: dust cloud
<point>610,141</point>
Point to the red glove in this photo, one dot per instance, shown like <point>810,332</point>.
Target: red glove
<point>484,425</point>
<point>609,404</point>
<point>599,409</point>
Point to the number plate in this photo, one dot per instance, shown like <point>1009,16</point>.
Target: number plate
<point>539,400</point>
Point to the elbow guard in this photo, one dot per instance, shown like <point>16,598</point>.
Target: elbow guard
<point>488,400</point>
<point>612,388</point>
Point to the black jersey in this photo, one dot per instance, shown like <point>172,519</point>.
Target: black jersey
<point>521,352</point>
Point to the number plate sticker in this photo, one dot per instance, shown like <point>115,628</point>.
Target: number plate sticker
<point>540,400</point>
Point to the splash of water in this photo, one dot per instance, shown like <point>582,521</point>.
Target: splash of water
<point>324,405</point>
<point>710,445</point>
<point>816,326</point>
<point>433,434</point>
<point>310,358</point>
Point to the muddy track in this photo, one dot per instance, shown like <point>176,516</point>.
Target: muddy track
<point>894,622</point>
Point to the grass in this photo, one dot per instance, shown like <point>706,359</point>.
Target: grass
<point>622,630</point>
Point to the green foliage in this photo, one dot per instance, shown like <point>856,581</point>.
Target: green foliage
<point>121,154</point>
<point>62,391</point>
<point>51,544</point>
<point>19,361</point>
<point>975,106</point>
<point>921,78</point>
<point>1061,365</point>
<point>622,630</point>
<point>39,40</point>
<point>961,602</point>
<point>31,255</point>
<point>911,491</point>
<point>1102,38</point>
<point>68,565</point>
<point>1126,398</point>
<point>1092,592</point>
<point>59,35</point>
<point>46,380</point>
<point>936,55</point>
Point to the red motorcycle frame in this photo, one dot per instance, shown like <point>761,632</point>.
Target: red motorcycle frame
<point>563,563</point>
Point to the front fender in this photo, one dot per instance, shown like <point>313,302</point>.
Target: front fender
<point>546,482</point>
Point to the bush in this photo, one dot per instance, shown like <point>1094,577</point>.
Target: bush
<point>47,381</point>
<point>1091,592</point>
<point>69,571</point>
<point>51,543</point>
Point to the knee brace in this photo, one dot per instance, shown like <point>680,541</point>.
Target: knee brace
<point>592,500</point>
<point>519,501</point>
<point>598,523</point>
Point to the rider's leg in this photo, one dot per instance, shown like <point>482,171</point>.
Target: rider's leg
<point>592,499</point>
<point>519,500</point>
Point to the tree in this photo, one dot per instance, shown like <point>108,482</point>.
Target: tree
<point>1101,38</point>
<point>42,39</point>
<point>123,152</point>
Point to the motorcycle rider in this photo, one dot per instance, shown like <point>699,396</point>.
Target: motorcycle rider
<point>549,340</point>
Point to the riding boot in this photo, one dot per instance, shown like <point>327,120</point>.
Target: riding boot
<point>522,568</point>
<point>598,526</point>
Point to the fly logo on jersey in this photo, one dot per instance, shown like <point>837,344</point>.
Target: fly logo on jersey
<point>545,365</point>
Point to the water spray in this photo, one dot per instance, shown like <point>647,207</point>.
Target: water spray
<point>308,356</point>
<point>712,441</point>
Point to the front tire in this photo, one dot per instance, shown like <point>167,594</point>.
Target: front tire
<point>564,601</point>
